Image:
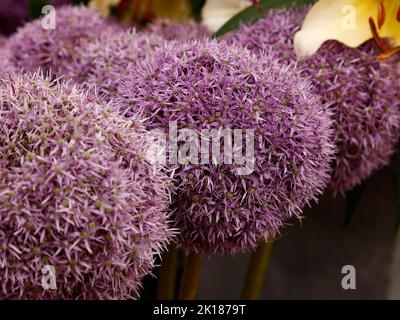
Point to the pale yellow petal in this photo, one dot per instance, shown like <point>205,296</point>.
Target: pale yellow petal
<point>391,27</point>
<point>217,12</point>
<point>342,20</point>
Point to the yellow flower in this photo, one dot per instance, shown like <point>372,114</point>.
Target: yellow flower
<point>217,12</point>
<point>104,6</point>
<point>351,22</point>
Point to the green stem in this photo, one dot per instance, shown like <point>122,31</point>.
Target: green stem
<point>256,272</point>
<point>167,276</point>
<point>190,277</point>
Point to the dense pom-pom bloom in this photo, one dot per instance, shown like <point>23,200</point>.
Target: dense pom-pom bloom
<point>76,194</point>
<point>205,85</point>
<point>33,47</point>
<point>179,31</point>
<point>103,64</point>
<point>360,89</point>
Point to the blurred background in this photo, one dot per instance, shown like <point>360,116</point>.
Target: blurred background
<point>307,260</point>
<point>14,13</point>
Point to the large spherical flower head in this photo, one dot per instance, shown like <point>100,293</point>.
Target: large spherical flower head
<point>180,31</point>
<point>76,194</point>
<point>34,47</point>
<point>360,90</point>
<point>103,64</point>
<point>274,33</point>
<point>205,85</point>
<point>366,106</point>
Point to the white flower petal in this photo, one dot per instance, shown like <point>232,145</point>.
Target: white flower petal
<point>217,12</point>
<point>342,20</point>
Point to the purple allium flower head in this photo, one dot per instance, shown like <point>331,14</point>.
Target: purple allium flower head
<point>33,47</point>
<point>76,193</point>
<point>104,63</point>
<point>180,31</point>
<point>204,85</point>
<point>360,90</point>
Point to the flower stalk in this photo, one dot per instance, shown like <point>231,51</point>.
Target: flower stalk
<point>190,277</point>
<point>256,272</point>
<point>167,280</point>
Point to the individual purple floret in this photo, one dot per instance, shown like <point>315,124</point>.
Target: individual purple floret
<point>33,47</point>
<point>180,31</point>
<point>76,194</point>
<point>360,90</point>
<point>204,85</point>
<point>103,64</point>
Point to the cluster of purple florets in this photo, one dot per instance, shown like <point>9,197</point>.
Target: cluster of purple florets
<point>76,193</point>
<point>104,63</point>
<point>359,88</point>
<point>53,50</point>
<point>210,85</point>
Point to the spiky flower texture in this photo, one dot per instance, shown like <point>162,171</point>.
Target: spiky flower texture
<point>209,85</point>
<point>360,89</point>
<point>75,193</point>
<point>104,63</point>
<point>33,47</point>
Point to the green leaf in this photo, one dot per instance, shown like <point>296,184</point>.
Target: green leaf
<point>253,13</point>
<point>353,199</point>
<point>35,7</point>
